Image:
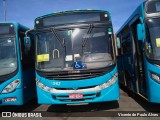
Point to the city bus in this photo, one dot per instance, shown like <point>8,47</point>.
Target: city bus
<point>75,58</point>
<point>139,52</point>
<point>17,74</point>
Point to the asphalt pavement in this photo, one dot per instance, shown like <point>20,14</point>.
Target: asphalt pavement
<point>110,110</point>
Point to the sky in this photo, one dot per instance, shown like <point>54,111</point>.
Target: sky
<point>25,11</point>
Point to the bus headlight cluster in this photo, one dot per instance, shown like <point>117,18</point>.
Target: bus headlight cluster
<point>43,87</point>
<point>155,77</point>
<point>109,83</point>
<point>11,87</point>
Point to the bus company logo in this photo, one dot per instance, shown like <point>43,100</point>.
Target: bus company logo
<point>20,115</point>
<point>6,114</point>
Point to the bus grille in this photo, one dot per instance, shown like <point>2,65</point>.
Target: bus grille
<point>86,97</point>
<point>80,88</point>
<point>74,76</point>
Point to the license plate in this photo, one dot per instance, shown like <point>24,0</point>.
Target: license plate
<point>76,96</point>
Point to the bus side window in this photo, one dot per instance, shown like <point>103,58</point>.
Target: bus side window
<point>126,41</point>
<point>126,45</point>
<point>119,49</point>
<point>31,52</point>
<point>26,56</point>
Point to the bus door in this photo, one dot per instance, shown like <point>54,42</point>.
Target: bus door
<point>138,61</point>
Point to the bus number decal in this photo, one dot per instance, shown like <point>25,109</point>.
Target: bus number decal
<point>56,83</point>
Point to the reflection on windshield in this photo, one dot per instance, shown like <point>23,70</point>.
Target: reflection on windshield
<point>96,53</point>
<point>153,39</point>
<point>8,60</point>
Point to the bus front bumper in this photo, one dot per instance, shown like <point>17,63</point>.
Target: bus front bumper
<point>154,88</point>
<point>109,94</point>
<point>14,98</point>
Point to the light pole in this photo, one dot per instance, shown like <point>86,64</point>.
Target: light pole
<point>4,4</point>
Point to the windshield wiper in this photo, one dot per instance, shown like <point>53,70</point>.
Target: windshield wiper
<point>84,40</point>
<point>57,37</point>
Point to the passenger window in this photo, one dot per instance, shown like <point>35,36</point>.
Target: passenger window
<point>119,49</point>
<point>26,56</point>
<point>126,45</point>
<point>126,40</point>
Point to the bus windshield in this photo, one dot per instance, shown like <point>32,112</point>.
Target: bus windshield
<point>60,49</point>
<point>153,39</point>
<point>8,59</point>
<point>152,6</point>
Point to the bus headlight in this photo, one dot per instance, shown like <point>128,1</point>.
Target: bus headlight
<point>11,87</point>
<point>155,77</point>
<point>43,87</point>
<point>109,83</point>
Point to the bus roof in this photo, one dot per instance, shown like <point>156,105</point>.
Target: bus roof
<point>16,25</point>
<point>139,8</point>
<point>71,11</point>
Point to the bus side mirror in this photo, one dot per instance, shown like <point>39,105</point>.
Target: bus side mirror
<point>27,42</point>
<point>118,43</point>
<point>140,32</point>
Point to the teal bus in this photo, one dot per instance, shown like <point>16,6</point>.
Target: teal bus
<point>17,85</point>
<point>139,51</point>
<point>75,58</point>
